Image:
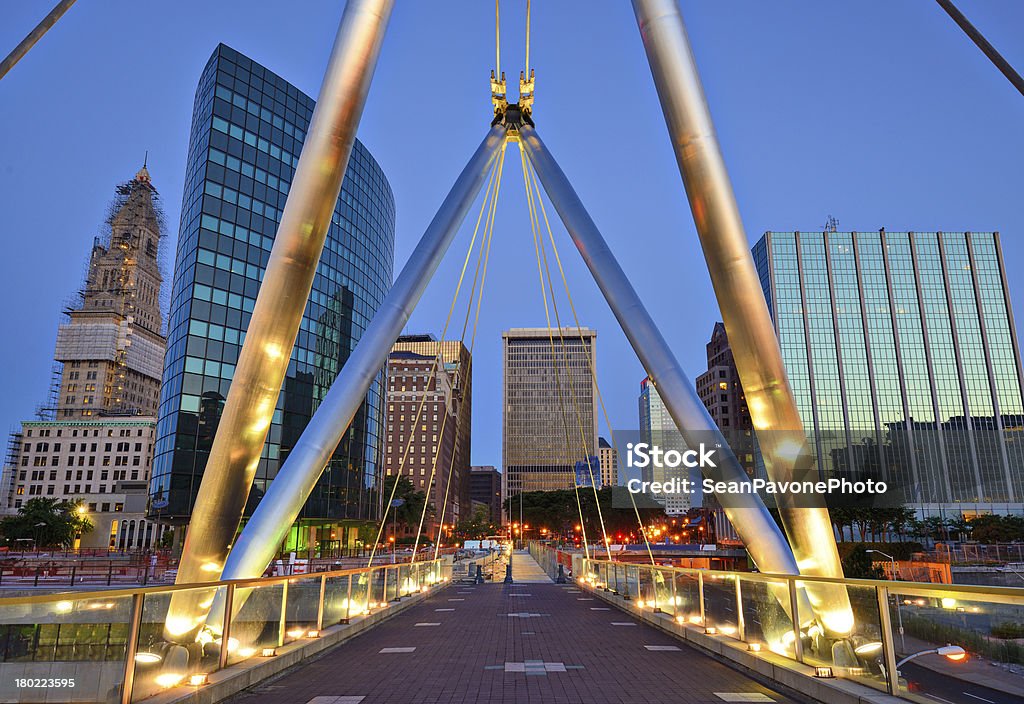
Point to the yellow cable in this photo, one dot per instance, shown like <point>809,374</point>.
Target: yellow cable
<point>558,322</point>
<point>535,228</point>
<point>527,74</point>
<point>468,371</point>
<point>590,360</point>
<point>419,412</point>
<point>484,244</point>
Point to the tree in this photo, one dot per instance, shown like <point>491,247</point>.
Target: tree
<point>558,512</point>
<point>901,520</point>
<point>48,523</point>
<point>990,528</point>
<point>411,502</point>
<point>478,525</point>
<point>859,565</point>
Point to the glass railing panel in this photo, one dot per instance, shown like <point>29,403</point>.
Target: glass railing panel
<point>336,598</point>
<point>720,608</point>
<point>687,597</point>
<point>765,611</point>
<point>664,599</point>
<point>857,655</point>
<point>631,582</point>
<point>361,593</point>
<point>983,629</point>
<point>173,647</point>
<point>301,607</point>
<point>75,647</point>
<point>406,580</point>
<point>256,623</point>
<point>645,597</point>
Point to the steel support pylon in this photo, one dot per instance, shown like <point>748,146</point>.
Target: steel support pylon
<point>18,52</point>
<point>263,361</point>
<point>747,512</point>
<point>259,541</point>
<point>748,324</point>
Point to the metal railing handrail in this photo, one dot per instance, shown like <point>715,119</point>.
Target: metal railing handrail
<point>1003,595</point>
<point>108,594</point>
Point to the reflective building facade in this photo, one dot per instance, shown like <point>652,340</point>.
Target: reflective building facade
<point>549,407</point>
<point>247,131</point>
<point>901,350</point>
<point>658,429</point>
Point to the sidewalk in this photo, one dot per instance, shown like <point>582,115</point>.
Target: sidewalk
<point>525,570</point>
<point>511,644</point>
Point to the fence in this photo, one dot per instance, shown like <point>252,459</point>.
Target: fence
<point>111,646</point>
<point>765,611</point>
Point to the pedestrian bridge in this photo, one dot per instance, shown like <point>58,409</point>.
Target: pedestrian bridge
<point>612,632</point>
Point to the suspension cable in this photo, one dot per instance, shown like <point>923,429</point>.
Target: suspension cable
<point>538,249</point>
<point>433,371</point>
<point>468,370</point>
<point>527,38</point>
<point>590,359</point>
<point>497,41</point>
<point>554,364</point>
<point>542,254</point>
<point>462,374</point>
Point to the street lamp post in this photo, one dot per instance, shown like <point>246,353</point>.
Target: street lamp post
<point>953,652</point>
<point>899,611</point>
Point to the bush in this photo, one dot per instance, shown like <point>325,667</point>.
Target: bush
<point>1008,630</point>
<point>971,641</point>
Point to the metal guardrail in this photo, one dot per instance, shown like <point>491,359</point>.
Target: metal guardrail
<point>891,619</point>
<point>109,645</point>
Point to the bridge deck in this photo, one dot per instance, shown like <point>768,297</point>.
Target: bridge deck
<point>491,643</point>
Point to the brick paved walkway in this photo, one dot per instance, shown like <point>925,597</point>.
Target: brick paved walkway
<point>493,644</point>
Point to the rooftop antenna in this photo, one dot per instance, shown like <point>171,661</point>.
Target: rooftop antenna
<point>831,224</point>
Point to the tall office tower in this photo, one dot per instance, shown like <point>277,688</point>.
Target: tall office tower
<point>902,354</point>
<point>549,419</point>
<point>485,489</point>
<point>608,456</point>
<point>720,390</point>
<point>111,348</point>
<point>658,429</point>
<point>454,358</point>
<point>248,125</point>
<point>94,445</point>
<point>424,406</point>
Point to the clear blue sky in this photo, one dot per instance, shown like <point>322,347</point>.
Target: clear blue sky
<point>881,113</point>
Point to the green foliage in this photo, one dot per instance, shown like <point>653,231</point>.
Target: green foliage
<point>558,512</point>
<point>875,522</point>
<point>477,525</point>
<point>48,523</point>
<point>858,564</point>
<point>973,642</point>
<point>997,529</point>
<point>1008,631</point>
<point>408,514</point>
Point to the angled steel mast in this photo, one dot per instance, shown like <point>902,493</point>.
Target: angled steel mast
<point>263,361</point>
<point>34,36</point>
<point>748,324</point>
<point>747,512</point>
<point>259,541</point>
<point>283,294</point>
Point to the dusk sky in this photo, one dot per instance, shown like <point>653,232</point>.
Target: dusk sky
<point>880,113</point>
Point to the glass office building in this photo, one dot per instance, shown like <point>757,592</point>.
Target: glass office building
<point>247,131</point>
<point>902,353</point>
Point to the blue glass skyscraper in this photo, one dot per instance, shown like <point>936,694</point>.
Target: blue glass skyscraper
<point>248,125</point>
<point>902,354</point>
